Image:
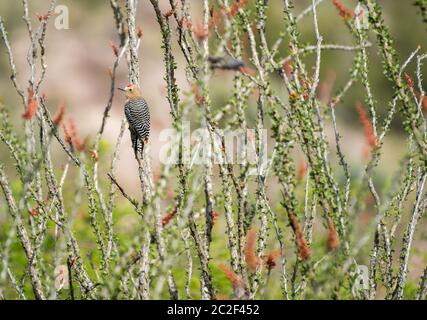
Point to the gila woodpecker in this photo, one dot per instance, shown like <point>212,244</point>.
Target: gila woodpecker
<point>138,117</point>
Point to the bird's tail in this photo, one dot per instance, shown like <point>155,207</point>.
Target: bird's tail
<point>139,150</point>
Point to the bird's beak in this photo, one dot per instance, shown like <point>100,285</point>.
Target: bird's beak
<point>121,89</point>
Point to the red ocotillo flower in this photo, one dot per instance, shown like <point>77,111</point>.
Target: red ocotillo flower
<point>215,217</point>
<point>34,212</point>
<point>71,135</point>
<point>305,93</point>
<point>303,249</point>
<point>215,18</point>
<point>344,12</point>
<point>371,139</point>
<point>287,68</point>
<point>270,259</point>
<point>411,86</point>
<point>139,33</point>
<point>169,216</point>
<point>169,13</point>
<point>184,23</point>
<point>115,48</point>
<point>73,128</point>
<point>31,107</point>
<point>40,17</point>
<point>235,7</point>
<point>234,279</point>
<point>94,155</point>
<point>78,144</point>
<point>44,17</point>
<point>251,257</point>
<point>333,241</point>
<point>409,80</point>
<point>67,135</point>
<point>59,115</point>
<point>302,169</point>
<point>200,31</point>
<point>199,97</point>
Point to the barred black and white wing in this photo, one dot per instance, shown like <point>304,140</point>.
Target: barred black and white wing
<point>138,117</point>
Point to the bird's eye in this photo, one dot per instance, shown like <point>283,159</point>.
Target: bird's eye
<point>130,89</point>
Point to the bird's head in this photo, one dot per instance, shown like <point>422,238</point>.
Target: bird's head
<point>132,91</point>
